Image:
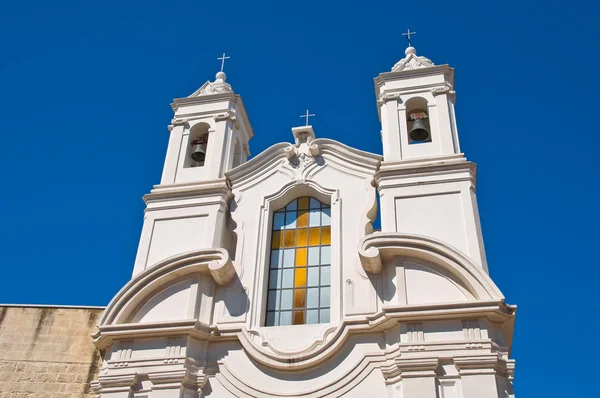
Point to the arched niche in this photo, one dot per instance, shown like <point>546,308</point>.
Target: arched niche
<point>417,111</point>
<point>199,135</point>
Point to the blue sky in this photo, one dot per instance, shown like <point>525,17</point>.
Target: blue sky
<point>85,89</point>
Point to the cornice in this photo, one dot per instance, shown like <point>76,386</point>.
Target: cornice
<point>188,190</point>
<point>257,166</point>
<point>397,173</point>
<point>412,73</point>
<point>188,101</point>
<point>261,165</point>
<point>388,317</point>
<point>488,363</point>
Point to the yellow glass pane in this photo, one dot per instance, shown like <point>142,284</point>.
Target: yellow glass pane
<point>314,237</point>
<point>302,221</point>
<point>302,237</point>
<point>301,256</point>
<point>326,236</point>
<point>300,279</point>
<point>299,298</point>
<point>290,238</point>
<point>276,240</point>
<point>303,203</point>
<point>298,318</point>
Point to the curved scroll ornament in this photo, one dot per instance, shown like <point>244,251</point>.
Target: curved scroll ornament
<point>377,247</point>
<point>301,159</point>
<point>215,262</point>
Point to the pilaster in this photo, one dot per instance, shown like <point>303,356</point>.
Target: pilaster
<point>418,376</point>
<point>478,375</point>
<point>115,386</point>
<point>171,160</point>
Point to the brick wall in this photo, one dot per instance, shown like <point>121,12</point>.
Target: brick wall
<point>47,352</point>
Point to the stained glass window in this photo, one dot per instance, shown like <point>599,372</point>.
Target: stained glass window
<point>300,264</point>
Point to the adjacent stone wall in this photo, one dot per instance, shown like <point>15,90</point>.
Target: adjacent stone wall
<point>47,352</point>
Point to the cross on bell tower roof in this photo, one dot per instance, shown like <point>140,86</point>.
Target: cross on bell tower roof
<point>407,34</point>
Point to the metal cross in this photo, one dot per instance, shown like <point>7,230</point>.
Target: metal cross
<point>222,59</point>
<point>407,34</point>
<point>307,116</point>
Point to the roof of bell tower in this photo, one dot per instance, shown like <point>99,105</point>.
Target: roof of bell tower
<point>219,86</point>
<point>412,61</point>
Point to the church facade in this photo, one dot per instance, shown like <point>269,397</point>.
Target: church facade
<point>263,277</point>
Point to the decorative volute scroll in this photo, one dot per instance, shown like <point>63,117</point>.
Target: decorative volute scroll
<point>412,61</point>
<point>377,248</point>
<point>213,262</point>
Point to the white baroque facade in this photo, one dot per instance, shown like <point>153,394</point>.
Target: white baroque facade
<point>264,277</point>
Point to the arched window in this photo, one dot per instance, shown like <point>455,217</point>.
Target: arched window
<point>300,265</point>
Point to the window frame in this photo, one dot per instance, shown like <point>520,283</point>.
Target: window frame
<point>272,203</point>
<point>299,281</point>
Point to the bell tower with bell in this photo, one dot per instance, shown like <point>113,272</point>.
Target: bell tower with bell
<point>416,108</point>
<point>426,185</point>
<point>187,211</point>
<point>209,134</point>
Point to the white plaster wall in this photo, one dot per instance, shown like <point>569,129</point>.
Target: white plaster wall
<point>170,304</point>
<point>176,226</point>
<point>441,205</point>
<point>425,285</point>
<point>172,236</point>
<point>437,215</point>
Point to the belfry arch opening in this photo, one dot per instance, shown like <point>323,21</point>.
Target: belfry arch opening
<point>196,152</point>
<point>417,121</point>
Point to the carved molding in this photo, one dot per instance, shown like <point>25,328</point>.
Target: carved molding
<point>115,383</point>
<point>209,88</point>
<point>229,115</point>
<point>179,122</point>
<point>374,247</point>
<point>384,98</point>
<point>412,61</point>
<point>417,367</point>
<point>446,89</point>
<point>214,262</point>
<point>485,364</point>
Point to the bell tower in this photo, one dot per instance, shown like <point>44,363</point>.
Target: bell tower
<point>416,109</point>
<point>209,134</point>
<point>188,210</point>
<point>426,185</point>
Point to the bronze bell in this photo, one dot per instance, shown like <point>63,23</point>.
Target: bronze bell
<point>199,152</point>
<point>419,132</point>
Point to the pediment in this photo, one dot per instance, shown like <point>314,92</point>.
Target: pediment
<point>210,88</point>
<point>301,161</point>
<point>412,61</point>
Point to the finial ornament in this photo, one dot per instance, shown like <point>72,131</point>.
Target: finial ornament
<point>407,34</point>
<point>222,59</point>
<point>307,115</point>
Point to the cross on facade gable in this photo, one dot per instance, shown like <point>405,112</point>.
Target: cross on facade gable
<point>408,34</point>
<point>307,115</point>
<point>222,59</point>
